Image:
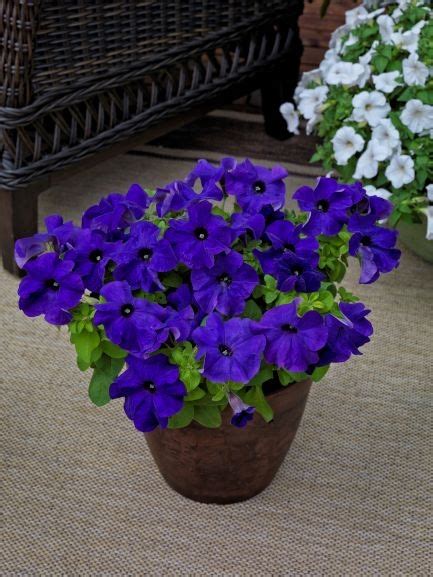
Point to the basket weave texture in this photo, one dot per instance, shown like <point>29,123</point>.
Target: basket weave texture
<point>80,75</point>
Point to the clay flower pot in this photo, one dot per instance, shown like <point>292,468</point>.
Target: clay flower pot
<point>228,464</point>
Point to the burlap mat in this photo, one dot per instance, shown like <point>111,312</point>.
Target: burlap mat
<point>82,496</point>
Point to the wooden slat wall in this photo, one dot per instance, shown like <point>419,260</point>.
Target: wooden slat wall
<point>316,31</point>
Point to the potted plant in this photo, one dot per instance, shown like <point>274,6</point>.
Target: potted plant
<point>371,102</point>
<point>211,323</point>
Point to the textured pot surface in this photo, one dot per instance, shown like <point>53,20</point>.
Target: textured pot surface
<point>412,235</point>
<point>228,464</point>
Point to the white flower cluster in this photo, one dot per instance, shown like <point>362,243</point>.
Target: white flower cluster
<point>374,58</point>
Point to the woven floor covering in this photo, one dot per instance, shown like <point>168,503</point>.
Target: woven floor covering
<point>82,496</point>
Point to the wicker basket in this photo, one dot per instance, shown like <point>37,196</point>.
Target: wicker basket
<point>81,75</point>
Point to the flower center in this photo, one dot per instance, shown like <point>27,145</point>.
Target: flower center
<point>127,310</point>
<point>149,386</point>
<point>259,186</point>
<point>52,284</point>
<point>201,233</point>
<point>225,350</point>
<point>225,279</point>
<point>297,270</point>
<point>322,205</point>
<point>95,255</point>
<point>365,241</point>
<point>289,246</point>
<point>288,328</point>
<point>145,254</point>
<point>362,207</point>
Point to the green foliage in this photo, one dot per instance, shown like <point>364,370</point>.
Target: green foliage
<point>95,351</point>
<point>255,396</point>
<point>105,371</point>
<point>333,255</point>
<point>336,112</point>
<point>183,355</point>
<point>183,418</point>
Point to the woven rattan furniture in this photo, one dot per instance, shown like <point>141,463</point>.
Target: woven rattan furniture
<point>83,76</point>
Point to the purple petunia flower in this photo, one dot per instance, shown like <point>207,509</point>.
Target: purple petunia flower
<point>242,413</point>
<point>345,336</point>
<point>197,240</point>
<point>368,211</point>
<point>179,195</point>
<point>374,246</point>
<point>91,255</point>
<point>298,274</point>
<point>285,238</point>
<point>230,349</point>
<point>134,324</point>
<point>225,286</point>
<point>50,289</point>
<point>143,256</point>
<point>205,171</point>
<point>59,236</point>
<point>244,223</point>
<point>327,204</point>
<point>256,186</point>
<point>292,342</point>
<point>152,391</point>
<point>116,211</point>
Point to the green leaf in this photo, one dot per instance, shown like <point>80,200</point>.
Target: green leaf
<point>183,418</point>
<point>319,373</point>
<point>266,373</point>
<point>208,416</point>
<point>252,310</point>
<point>195,395</point>
<point>256,398</point>
<point>172,280</point>
<point>347,296</point>
<point>287,377</point>
<point>104,374</point>
<point>85,343</point>
<point>112,350</point>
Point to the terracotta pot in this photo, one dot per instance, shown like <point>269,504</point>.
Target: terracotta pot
<point>228,464</point>
<point>412,235</point>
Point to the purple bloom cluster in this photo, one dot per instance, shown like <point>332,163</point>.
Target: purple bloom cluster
<point>165,270</point>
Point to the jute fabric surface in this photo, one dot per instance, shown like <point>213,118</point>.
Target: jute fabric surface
<point>82,496</point>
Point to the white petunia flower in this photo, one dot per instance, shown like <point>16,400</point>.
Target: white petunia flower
<point>386,27</point>
<point>386,133</point>
<point>336,36</point>
<point>368,163</point>
<point>417,116</point>
<point>352,16</point>
<point>406,40</point>
<point>365,76</point>
<point>415,73</point>
<point>346,143</point>
<point>429,189</point>
<point>366,58</point>
<point>370,107</point>
<point>291,117</point>
<point>312,123</point>
<point>400,170</point>
<point>429,214</point>
<point>310,101</point>
<point>308,78</point>
<point>387,81</point>
<point>373,191</point>
<point>329,59</point>
<point>344,73</point>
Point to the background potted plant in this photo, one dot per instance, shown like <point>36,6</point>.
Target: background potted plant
<point>211,323</point>
<point>371,102</point>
